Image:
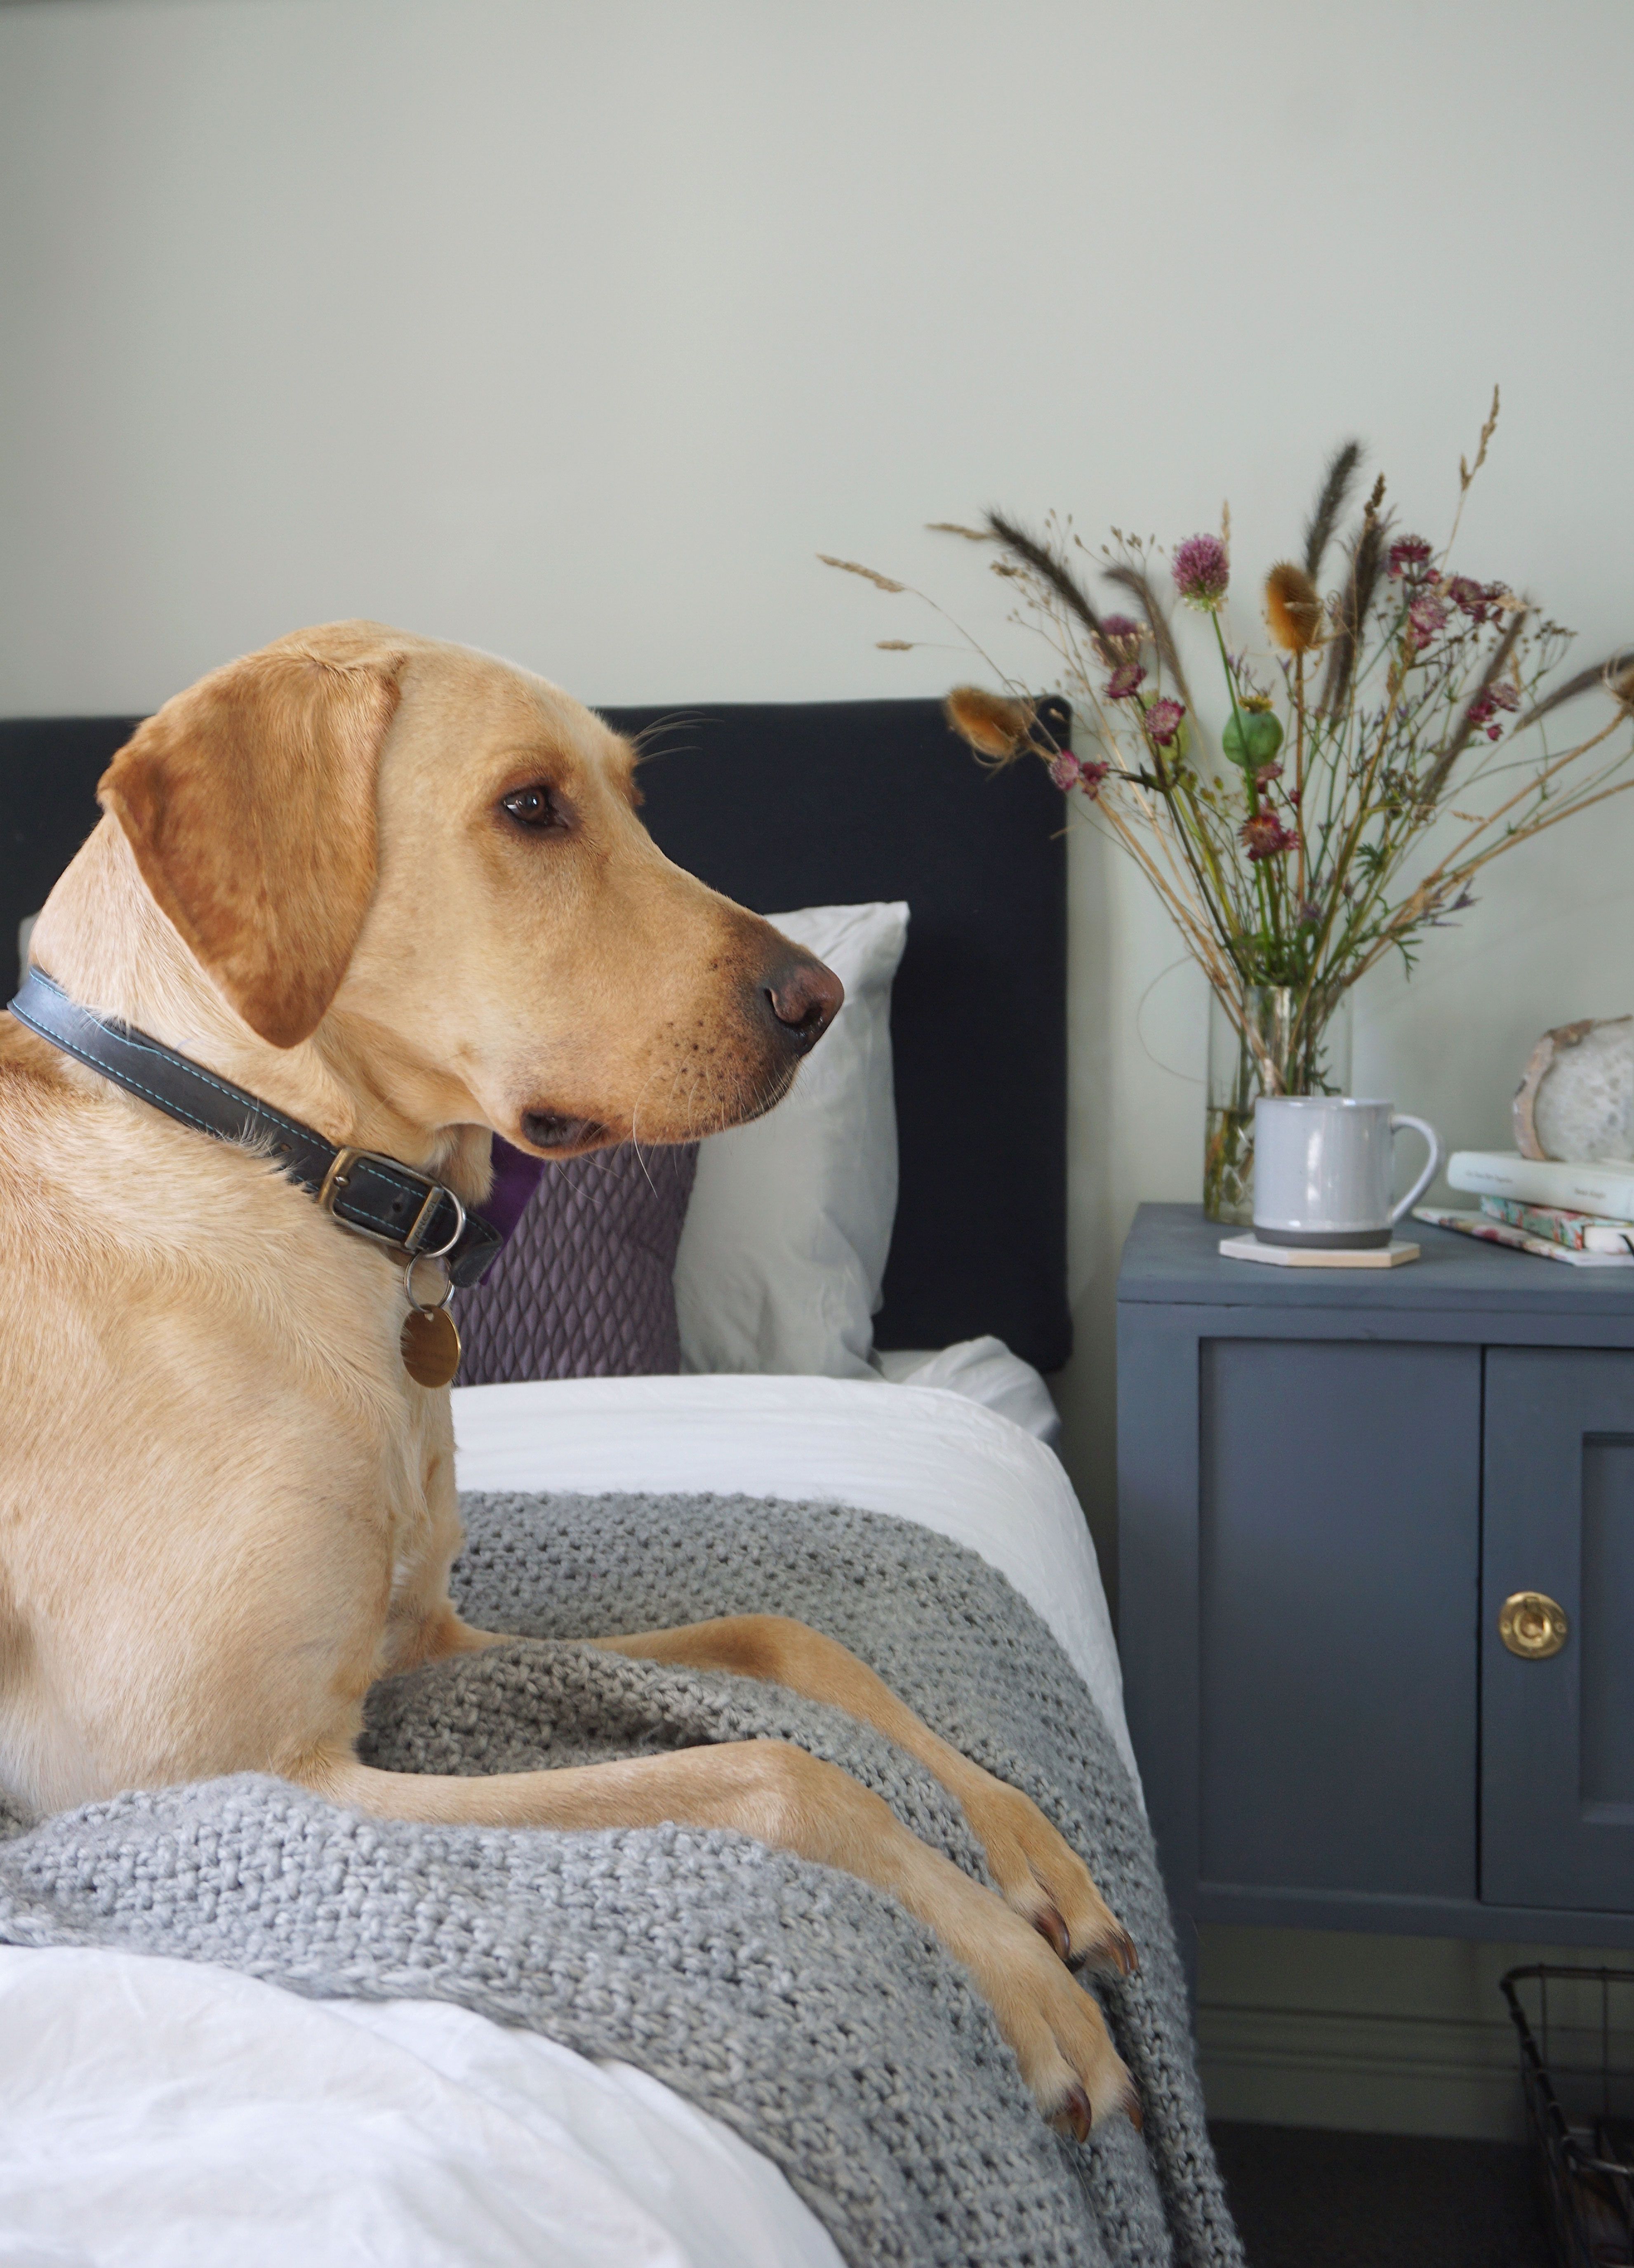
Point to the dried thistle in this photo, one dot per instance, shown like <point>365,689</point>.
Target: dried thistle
<point>1294,608</point>
<point>1331,499</point>
<point>996,727</point>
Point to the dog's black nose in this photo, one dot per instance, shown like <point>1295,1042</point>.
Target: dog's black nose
<point>805,997</point>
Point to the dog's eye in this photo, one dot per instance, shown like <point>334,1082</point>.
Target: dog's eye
<point>536,809</point>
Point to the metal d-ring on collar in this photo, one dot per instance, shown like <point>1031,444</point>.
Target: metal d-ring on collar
<point>363,1190</point>
<point>414,1250</point>
<point>424,1307</point>
<point>339,1177</point>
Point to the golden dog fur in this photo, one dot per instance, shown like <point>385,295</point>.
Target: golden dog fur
<point>399,891</point>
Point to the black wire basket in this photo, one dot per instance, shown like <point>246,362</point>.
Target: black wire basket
<point>1577,2074</point>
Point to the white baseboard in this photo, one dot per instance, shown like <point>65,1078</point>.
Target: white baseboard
<point>1391,2075</point>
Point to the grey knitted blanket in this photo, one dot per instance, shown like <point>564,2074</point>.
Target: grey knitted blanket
<point>805,2009</point>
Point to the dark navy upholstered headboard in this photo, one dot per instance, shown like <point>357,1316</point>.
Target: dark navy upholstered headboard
<point>819,803</point>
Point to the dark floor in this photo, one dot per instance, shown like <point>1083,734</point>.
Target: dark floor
<point>1306,2198</point>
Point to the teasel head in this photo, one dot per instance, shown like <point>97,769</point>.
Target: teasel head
<point>1294,608</point>
<point>996,726</point>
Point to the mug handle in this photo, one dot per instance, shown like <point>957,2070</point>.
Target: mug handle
<point>1419,1126</point>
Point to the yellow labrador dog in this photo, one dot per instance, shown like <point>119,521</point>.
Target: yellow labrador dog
<point>398,892</point>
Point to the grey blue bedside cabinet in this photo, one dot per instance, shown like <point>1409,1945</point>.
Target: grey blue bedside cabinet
<point>1329,1486</point>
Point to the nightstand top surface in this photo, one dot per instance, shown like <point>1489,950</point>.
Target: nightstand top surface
<point>1172,1256</point>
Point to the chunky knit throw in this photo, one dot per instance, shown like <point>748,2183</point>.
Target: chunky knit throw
<point>808,2011</point>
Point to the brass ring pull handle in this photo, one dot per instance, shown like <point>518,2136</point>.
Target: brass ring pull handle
<point>1532,1625</point>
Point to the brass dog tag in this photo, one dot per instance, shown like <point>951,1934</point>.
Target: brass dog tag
<point>431,1346</point>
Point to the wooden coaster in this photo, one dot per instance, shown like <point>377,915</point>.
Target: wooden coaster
<point>1394,1254</point>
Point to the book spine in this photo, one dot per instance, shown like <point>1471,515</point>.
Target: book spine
<point>1490,1231</point>
<point>1538,1220</point>
<point>1581,1232</point>
<point>1544,1181</point>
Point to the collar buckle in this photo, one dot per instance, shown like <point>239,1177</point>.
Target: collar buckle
<point>411,1242</point>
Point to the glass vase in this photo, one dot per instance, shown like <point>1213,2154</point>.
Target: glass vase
<point>1274,1050</point>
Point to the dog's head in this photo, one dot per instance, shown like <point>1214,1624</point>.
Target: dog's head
<point>438,859</point>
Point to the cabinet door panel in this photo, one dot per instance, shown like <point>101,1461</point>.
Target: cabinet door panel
<point>1338,1595</point>
<point>1557,1735</point>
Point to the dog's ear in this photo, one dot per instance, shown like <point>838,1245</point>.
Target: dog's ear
<point>249,802</point>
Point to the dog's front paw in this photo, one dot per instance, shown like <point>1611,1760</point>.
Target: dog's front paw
<point>1057,2031</point>
<point>1043,1879</point>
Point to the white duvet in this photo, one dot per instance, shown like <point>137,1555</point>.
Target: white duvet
<point>159,2114</point>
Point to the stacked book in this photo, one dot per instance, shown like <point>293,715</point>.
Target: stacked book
<point>1583,1214</point>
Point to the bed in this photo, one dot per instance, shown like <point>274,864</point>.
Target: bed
<point>128,2096</point>
<point>168,2111</point>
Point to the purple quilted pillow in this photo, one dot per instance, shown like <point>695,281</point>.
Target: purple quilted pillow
<point>585,1287</point>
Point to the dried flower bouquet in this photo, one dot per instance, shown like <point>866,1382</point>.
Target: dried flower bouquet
<point>1395,739</point>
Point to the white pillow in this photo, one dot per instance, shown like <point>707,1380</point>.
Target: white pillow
<point>783,1251</point>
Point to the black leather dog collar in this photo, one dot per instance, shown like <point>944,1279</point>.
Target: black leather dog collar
<point>363,1190</point>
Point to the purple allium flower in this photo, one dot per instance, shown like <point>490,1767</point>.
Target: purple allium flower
<point>1264,835</point>
<point>1425,617</point>
<point>1164,719</point>
<point>1310,912</point>
<point>1406,552</point>
<point>1090,776</point>
<point>1125,684</point>
<point>1064,770</point>
<point>1120,640</point>
<point>1268,772</point>
<point>1202,569</point>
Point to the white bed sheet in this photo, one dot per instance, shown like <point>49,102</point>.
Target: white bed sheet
<point>921,1453</point>
<point>165,2114</point>
<point>983,1370</point>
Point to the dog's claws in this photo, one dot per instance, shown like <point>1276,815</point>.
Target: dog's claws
<point>1115,1956</point>
<point>1049,1925</point>
<point>1074,2115</point>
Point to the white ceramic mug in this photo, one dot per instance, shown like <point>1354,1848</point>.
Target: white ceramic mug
<point>1324,1167</point>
